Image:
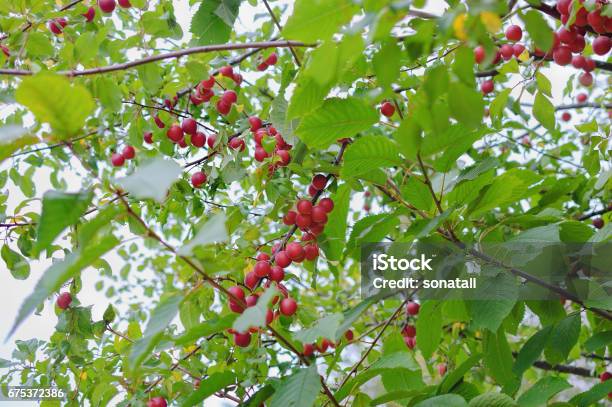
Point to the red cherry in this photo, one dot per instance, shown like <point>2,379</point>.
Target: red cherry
<point>284,156</point>
<point>412,308</point>
<point>90,14</point>
<point>323,346</point>
<point>237,78</point>
<point>198,178</point>
<point>312,191</point>
<point>288,306</point>
<point>242,339</point>
<point>5,51</point>
<point>227,71</point>
<point>237,144</point>
<point>295,251</point>
<point>211,140</point>
<point>251,280</point>
<point>601,45</point>
<point>589,65</point>
<point>158,122</point>
<point>566,36</point>
<point>318,215</point>
<point>289,218</point>
<point>124,3</point>
<point>327,204</point>
<point>262,67</point>
<point>223,107</point>
<point>189,126</point>
<point>479,54</point>
<point>303,221</point>
<point>196,99</point>
<point>128,152</point>
<point>581,97</point>
<point>487,86</point>
<point>198,139</point>
<point>229,96</point>
<point>157,402</point>
<point>175,133</point>
<point>410,342</point>
<point>562,55</point>
<point>586,79</point>
<point>269,317</point>
<point>578,61</point>
<point>260,154</point>
<point>106,6</point>
<point>251,300</point>
<point>563,6</point>
<point>263,257</point>
<point>148,137</point>
<point>237,292</point>
<point>255,123</point>
<point>595,19</point>
<point>63,300</point>
<point>316,229</point>
<point>578,44</point>
<point>304,206</point>
<point>117,159</point>
<point>182,143</point>
<point>308,349</point>
<point>236,307</point>
<point>605,376</point>
<point>311,251</point>
<point>514,33</point>
<point>442,369</point>
<point>349,335</point>
<point>262,269</point>
<point>507,51</point>
<point>387,109</point>
<point>277,273</point>
<point>319,181</point>
<point>566,117</point>
<point>409,330</point>
<point>57,25</point>
<point>581,17</point>
<point>282,259</point>
<point>208,83</point>
<point>272,59</point>
<point>598,223</point>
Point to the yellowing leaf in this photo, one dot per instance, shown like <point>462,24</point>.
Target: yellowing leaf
<point>459,27</point>
<point>491,21</point>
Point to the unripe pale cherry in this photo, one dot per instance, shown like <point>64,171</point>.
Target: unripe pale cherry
<point>251,280</point>
<point>262,269</point>
<point>227,71</point>
<point>175,133</point>
<point>304,206</point>
<point>412,308</point>
<point>387,109</point>
<point>289,218</point>
<point>295,251</point>
<point>277,273</point>
<point>106,6</point>
<point>117,159</point>
<point>189,126</point>
<point>90,14</point>
<point>148,137</point>
<point>157,402</point>
<point>288,306</point>
<point>601,45</point>
<point>128,152</point>
<point>198,139</point>
<point>282,259</point>
<point>514,33</point>
<point>319,181</point>
<point>487,86</point>
<point>124,3</point>
<point>327,204</point>
<point>63,300</point>
<point>242,339</point>
<point>198,178</point>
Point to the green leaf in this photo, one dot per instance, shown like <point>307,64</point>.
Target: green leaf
<point>15,262</point>
<point>387,63</point>
<point>209,386</point>
<point>38,45</point>
<point>12,138</point>
<point>260,396</point>
<point>544,111</point>
<point>213,231</point>
<point>395,395</point>
<point>335,119</point>
<point>538,29</point>
<point>416,192</point>
<point>542,391</point>
<point>351,315</point>
<point>501,292</point>
<point>335,230</point>
<point>60,272</point>
<point>206,328</point>
<point>59,210</point>
<point>278,117</point>
<point>54,100</point>
<point>255,316</point>
<point>298,390</point>
<point>151,77</point>
<point>543,83</point>
<point>368,153</point>
<point>152,179</point>
<point>325,327</point>
<point>593,395</point>
<point>598,341</point>
<point>498,105</point>
<point>466,105</point>
<point>450,400</point>
<point>161,316</point>
<point>498,358</point>
<point>492,400</point>
<point>108,91</point>
<point>531,350</point>
<point>454,377</point>
<point>563,338</point>
<point>429,327</point>
<point>213,22</point>
<point>326,15</point>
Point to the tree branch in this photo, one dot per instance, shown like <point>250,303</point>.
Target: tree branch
<point>280,29</point>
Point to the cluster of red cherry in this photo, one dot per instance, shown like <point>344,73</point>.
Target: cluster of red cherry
<point>409,330</point>
<point>57,25</point>
<point>269,143</point>
<point>272,59</point>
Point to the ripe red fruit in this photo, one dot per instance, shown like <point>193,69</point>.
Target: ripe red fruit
<point>208,83</point>
<point>277,274</point>
<point>182,143</point>
<point>269,316</point>
<point>605,376</point>
<point>64,300</point>
<point>282,259</point>
<point>412,308</point>
<point>158,122</point>
<point>57,25</point>
<point>128,152</point>
<point>303,221</point>
<point>237,78</point>
<point>308,349</point>
<point>198,178</point>
<point>349,335</point>
<point>507,51</point>
<point>322,347</point>
<point>304,206</point>
<point>562,55</point>
<point>288,306</point>
<point>578,61</point>
<point>157,402</point>
<point>206,95</point>
<point>409,330</point>
<point>175,133</point>
<point>237,292</point>
<point>237,144</point>
<point>289,218</point>
<point>598,223</point>
<point>262,269</point>
<point>589,65</point>
<point>189,126</point>
<point>227,71</point>
<point>514,33</point>
<point>211,140</point>
<point>262,67</point>
<point>581,97</point>
<point>487,86</point>
<point>563,6</point>
<point>198,139</point>
<point>106,6</point>
<point>251,300</point>
<point>117,159</point>
<point>586,79</point>
<point>387,109</point>
<point>410,342</point>
<point>479,54</point>
<point>196,99</point>
<point>442,369</point>
<point>566,117</point>
<point>311,251</point>
<point>148,137</point>
<point>255,123</point>
<point>601,45</point>
<point>566,36</point>
<point>242,339</point>
<point>312,191</point>
<point>518,49</point>
<point>318,215</point>
<point>5,51</point>
<point>316,229</point>
<point>251,280</point>
<point>272,59</point>
<point>319,181</point>
<point>236,307</point>
<point>260,154</point>
<point>223,107</point>
<point>295,251</point>
<point>578,44</point>
<point>263,257</point>
<point>229,96</point>
<point>327,204</point>
<point>284,157</point>
<point>90,14</point>
<point>124,3</point>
